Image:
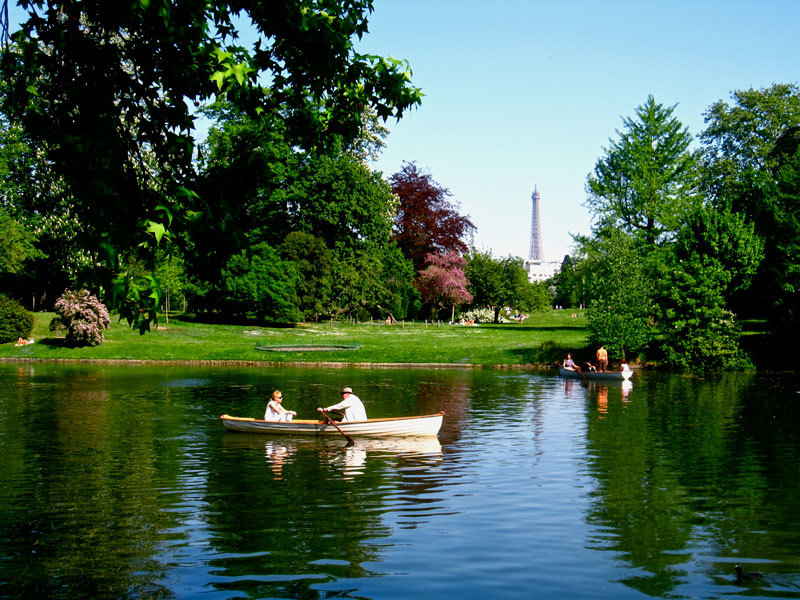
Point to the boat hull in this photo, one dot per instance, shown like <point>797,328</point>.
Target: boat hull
<point>426,425</point>
<point>596,375</point>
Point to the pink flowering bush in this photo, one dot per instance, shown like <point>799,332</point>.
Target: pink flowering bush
<point>83,316</point>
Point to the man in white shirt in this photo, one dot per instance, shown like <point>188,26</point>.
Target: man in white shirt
<point>351,405</point>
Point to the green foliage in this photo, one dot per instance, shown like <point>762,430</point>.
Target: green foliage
<point>500,282</point>
<point>137,295</point>
<point>569,283</point>
<point>55,244</point>
<point>485,275</point>
<point>327,213</point>
<point>261,284</point>
<point>399,296</point>
<point>378,280</point>
<point>728,238</point>
<point>646,182</point>
<point>699,332</point>
<point>620,294</point>
<point>739,138</point>
<point>535,297</point>
<point>16,244</point>
<point>339,200</point>
<point>170,272</point>
<point>780,274</point>
<point>752,164</point>
<point>313,263</point>
<point>15,321</point>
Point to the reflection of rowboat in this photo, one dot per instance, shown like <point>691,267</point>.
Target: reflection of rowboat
<point>403,445</point>
<point>608,375</point>
<point>426,425</point>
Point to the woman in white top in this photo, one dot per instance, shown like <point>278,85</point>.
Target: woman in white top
<point>276,412</point>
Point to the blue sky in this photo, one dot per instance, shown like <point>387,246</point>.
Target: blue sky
<point>527,92</point>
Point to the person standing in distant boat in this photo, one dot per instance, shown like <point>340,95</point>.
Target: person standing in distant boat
<point>275,410</point>
<point>351,405</point>
<point>602,359</point>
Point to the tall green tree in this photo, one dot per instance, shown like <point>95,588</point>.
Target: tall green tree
<point>171,276</point>
<point>751,160</point>
<point>261,284</point>
<point>569,282</point>
<point>740,138</point>
<point>374,280</point>
<point>313,262</point>
<point>716,253</point>
<point>16,244</point>
<point>34,197</point>
<point>646,181</point>
<point>620,294</point>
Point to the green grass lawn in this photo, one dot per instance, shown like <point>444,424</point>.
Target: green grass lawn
<point>542,339</point>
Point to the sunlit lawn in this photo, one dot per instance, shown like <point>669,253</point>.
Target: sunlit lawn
<point>543,338</point>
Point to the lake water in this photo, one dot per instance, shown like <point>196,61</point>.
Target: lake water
<point>120,482</point>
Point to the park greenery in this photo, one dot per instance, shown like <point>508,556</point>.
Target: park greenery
<point>107,184</point>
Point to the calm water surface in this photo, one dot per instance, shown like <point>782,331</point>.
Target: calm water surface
<point>120,482</point>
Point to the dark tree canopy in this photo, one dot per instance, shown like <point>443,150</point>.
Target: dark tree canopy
<point>427,221</point>
<point>752,163</point>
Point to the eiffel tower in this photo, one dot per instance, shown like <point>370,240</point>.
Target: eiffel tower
<point>535,254</point>
<point>537,267</point>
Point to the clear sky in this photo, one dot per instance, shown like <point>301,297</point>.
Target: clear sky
<point>526,92</point>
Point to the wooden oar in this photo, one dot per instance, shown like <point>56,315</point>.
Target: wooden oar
<point>350,441</point>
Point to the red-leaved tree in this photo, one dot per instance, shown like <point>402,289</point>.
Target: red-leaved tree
<point>427,221</point>
<point>443,282</point>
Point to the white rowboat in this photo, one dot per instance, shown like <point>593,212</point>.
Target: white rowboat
<point>425,425</point>
<point>594,375</point>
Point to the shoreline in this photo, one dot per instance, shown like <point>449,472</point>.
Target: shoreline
<point>271,364</point>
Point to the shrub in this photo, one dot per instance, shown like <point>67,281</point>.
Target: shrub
<point>15,321</point>
<point>479,315</point>
<point>83,316</point>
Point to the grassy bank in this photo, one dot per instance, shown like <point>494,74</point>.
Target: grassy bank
<point>542,339</point>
